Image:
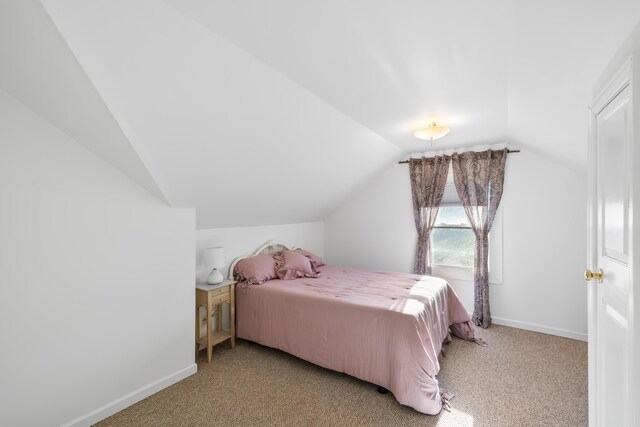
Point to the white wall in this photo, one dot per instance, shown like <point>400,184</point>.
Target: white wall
<point>96,274</point>
<point>544,241</point>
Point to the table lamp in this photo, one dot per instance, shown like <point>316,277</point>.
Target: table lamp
<point>214,258</point>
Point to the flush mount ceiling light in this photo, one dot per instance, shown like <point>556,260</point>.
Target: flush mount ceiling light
<point>431,132</point>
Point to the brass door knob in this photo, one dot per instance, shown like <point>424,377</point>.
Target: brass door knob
<point>598,275</point>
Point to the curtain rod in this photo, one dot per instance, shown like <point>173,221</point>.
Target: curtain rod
<point>508,152</point>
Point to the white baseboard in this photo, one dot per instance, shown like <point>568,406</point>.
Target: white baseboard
<point>118,405</point>
<point>539,328</point>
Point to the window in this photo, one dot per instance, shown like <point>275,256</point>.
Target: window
<point>452,240</point>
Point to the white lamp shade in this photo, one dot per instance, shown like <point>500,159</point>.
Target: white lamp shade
<point>213,257</point>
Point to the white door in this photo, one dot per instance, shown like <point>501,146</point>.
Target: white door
<point>610,307</point>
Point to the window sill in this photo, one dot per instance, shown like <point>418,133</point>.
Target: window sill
<point>452,273</point>
<point>459,274</point>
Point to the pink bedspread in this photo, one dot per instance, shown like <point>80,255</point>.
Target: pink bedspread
<point>384,328</point>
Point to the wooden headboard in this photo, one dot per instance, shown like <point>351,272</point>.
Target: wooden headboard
<point>268,248</point>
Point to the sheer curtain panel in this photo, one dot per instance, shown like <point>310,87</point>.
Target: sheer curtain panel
<point>479,177</point>
<point>428,178</point>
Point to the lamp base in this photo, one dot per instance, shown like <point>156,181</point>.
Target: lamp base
<point>215,277</point>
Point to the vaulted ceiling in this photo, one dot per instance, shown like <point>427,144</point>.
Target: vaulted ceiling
<point>274,112</point>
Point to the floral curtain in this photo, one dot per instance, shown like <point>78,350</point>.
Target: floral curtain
<point>479,177</point>
<point>428,179</point>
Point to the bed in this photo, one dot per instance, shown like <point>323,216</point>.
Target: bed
<point>384,328</point>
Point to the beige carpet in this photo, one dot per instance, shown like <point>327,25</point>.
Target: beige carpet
<point>522,379</point>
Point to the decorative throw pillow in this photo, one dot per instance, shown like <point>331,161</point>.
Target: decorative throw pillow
<point>292,264</point>
<point>256,269</point>
<point>313,257</point>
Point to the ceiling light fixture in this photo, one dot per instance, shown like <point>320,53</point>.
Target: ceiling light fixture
<point>431,132</point>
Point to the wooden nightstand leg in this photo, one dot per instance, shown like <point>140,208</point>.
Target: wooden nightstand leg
<point>209,346</point>
<point>197,329</point>
<point>232,314</point>
<point>219,311</point>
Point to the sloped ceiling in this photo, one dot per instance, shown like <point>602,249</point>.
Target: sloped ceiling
<point>560,50</point>
<point>267,112</point>
<point>37,68</point>
<point>231,135</point>
<point>390,65</point>
<point>494,71</point>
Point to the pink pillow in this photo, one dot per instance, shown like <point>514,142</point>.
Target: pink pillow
<point>291,265</point>
<point>256,270</point>
<point>313,257</point>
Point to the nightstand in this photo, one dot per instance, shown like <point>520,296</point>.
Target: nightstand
<point>208,296</point>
